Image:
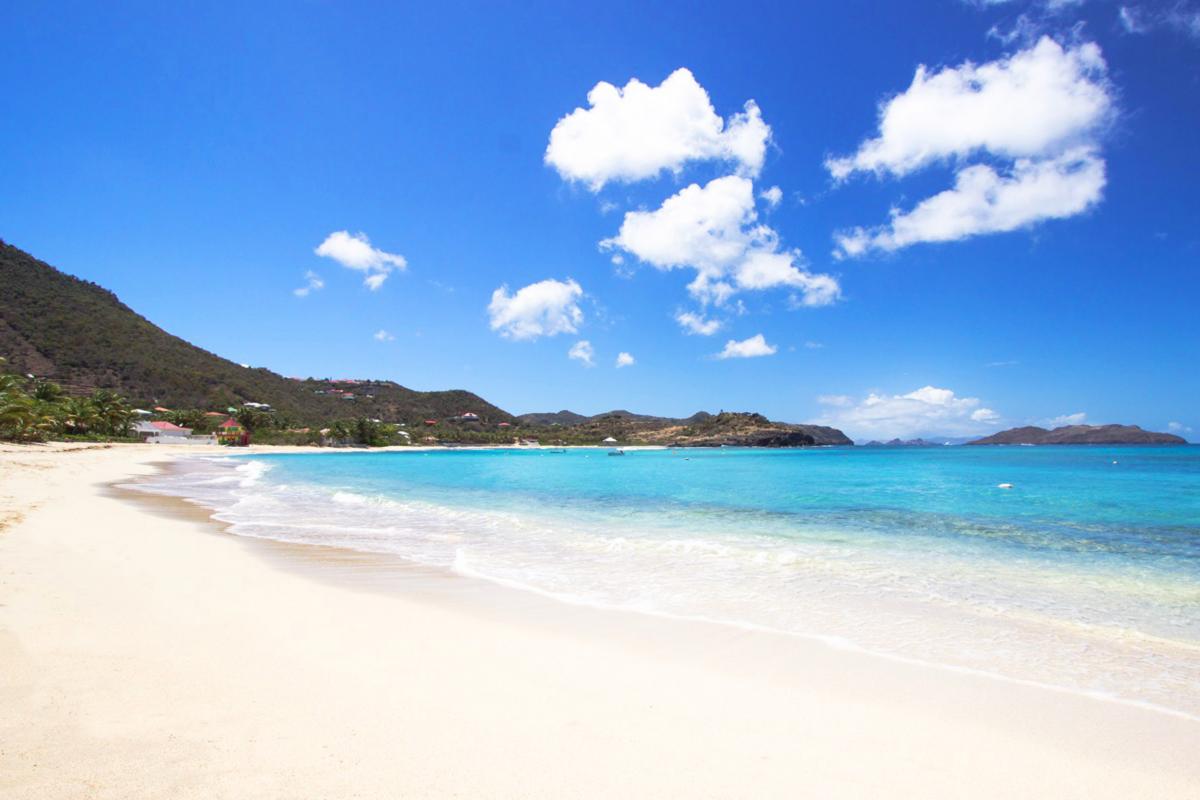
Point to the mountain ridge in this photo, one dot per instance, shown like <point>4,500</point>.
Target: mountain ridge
<point>1080,434</point>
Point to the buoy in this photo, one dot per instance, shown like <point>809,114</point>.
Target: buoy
<point>1004,486</point>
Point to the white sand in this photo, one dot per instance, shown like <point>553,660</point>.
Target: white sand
<point>145,655</point>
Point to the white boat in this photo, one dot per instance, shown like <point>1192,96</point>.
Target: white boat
<point>616,451</point>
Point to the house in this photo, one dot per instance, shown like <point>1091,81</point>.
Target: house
<point>162,410</point>
<point>161,432</point>
<point>231,432</point>
<point>431,422</point>
<point>504,425</point>
<point>259,406</point>
<point>141,412</point>
<point>469,416</point>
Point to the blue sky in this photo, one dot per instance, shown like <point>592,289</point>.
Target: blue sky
<point>1042,262</point>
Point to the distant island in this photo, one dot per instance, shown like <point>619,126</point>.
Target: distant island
<point>1081,434</point>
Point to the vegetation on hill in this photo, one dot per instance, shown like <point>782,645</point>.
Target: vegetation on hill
<point>79,335</point>
<point>60,331</point>
<point>32,410</point>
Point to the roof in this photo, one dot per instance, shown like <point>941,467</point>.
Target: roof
<point>214,414</point>
<point>160,408</point>
<point>163,425</point>
<point>230,423</point>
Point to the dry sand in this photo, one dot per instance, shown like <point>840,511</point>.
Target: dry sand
<point>147,655</point>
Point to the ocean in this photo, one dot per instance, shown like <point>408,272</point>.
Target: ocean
<point>1083,576</point>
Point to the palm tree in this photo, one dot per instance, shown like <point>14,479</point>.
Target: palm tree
<point>78,414</point>
<point>112,412</point>
<point>19,418</point>
<point>47,392</point>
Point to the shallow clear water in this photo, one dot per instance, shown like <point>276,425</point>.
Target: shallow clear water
<point>1085,575</point>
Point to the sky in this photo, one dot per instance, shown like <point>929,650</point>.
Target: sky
<point>901,219</point>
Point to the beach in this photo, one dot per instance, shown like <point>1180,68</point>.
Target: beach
<point>149,653</point>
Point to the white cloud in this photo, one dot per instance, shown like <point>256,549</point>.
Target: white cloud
<point>1178,427</point>
<point>773,196</point>
<point>383,336</point>
<point>1078,418</point>
<point>1181,17</point>
<point>811,345</point>
<point>714,230</point>
<point>545,308</point>
<point>1041,101</point>
<point>697,324</point>
<point>312,283</point>
<point>636,132</point>
<point>582,351</point>
<point>1132,19</point>
<point>753,347</point>
<point>1041,111</point>
<point>354,251</point>
<point>926,411</point>
<point>625,360</point>
<point>983,201</point>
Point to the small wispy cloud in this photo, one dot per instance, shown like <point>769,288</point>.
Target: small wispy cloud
<point>1002,363</point>
<point>754,347</point>
<point>1078,418</point>
<point>625,360</point>
<point>383,336</point>
<point>583,352</point>
<point>312,283</point>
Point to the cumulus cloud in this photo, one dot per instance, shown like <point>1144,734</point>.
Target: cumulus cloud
<point>926,411</point>
<point>383,336</point>
<point>312,283</point>
<point>697,324</point>
<point>638,131</point>
<point>583,352</point>
<point>1041,111</point>
<point>753,347</point>
<point>983,201</point>
<point>1078,418</point>
<point>772,196</point>
<point>625,360</point>
<point>354,251</point>
<point>545,308</point>
<point>1045,99</point>
<point>1178,427</point>
<point>714,231</point>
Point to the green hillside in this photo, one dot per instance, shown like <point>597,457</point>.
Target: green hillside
<point>80,335</point>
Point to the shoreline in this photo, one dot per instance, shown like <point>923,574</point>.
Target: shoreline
<point>395,574</point>
<point>642,704</point>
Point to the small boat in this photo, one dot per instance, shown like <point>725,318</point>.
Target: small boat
<point>616,451</point>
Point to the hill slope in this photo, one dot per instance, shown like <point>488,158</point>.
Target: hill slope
<point>77,333</point>
<point>1080,434</point>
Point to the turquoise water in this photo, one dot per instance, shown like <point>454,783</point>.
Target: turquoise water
<point>1085,575</point>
